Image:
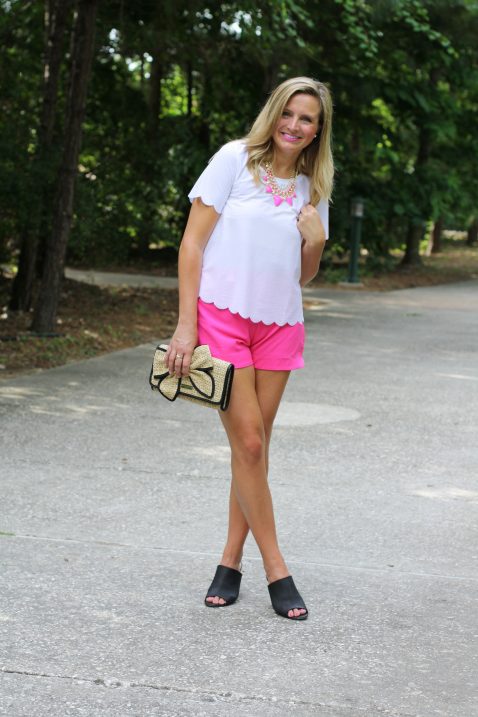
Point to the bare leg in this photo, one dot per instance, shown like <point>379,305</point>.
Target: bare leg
<point>238,526</point>
<point>248,422</point>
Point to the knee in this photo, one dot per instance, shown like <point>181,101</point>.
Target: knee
<point>251,447</point>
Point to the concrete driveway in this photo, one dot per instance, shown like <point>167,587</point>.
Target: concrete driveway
<point>112,521</point>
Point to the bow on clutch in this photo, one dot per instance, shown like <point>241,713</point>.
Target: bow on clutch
<point>200,376</point>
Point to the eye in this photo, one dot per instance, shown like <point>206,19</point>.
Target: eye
<point>286,113</point>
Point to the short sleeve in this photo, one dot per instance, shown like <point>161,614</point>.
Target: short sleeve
<point>323,209</point>
<point>215,183</point>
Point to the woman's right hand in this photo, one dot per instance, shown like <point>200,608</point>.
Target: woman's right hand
<point>180,350</point>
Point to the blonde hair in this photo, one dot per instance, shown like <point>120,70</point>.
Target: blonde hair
<point>315,160</point>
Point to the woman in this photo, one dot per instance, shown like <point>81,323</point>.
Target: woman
<point>255,235</point>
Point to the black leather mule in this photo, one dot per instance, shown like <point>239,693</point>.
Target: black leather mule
<point>226,584</point>
<point>285,596</point>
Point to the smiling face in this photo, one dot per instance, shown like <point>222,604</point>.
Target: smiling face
<point>297,126</point>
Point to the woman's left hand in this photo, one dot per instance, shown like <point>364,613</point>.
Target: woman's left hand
<point>310,225</point>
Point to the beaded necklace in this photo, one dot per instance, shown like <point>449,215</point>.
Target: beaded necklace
<point>272,187</point>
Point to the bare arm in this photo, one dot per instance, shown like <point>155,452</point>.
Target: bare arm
<point>201,222</point>
<point>313,242</point>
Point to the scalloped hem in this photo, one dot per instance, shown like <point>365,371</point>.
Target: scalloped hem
<point>251,317</point>
<point>208,202</point>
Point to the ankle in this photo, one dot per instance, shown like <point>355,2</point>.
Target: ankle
<point>275,569</point>
<point>232,560</point>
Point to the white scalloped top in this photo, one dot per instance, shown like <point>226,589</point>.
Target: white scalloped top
<point>251,263</point>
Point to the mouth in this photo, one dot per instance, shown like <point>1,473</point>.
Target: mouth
<point>290,137</point>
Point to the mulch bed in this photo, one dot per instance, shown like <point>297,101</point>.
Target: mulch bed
<point>91,321</point>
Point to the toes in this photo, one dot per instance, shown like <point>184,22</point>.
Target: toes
<point>296,612</point>
<point>216,600</point>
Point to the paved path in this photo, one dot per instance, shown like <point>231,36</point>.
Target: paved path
<point>112,520</point>
<point>111,278</point>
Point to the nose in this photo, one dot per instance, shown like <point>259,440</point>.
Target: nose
<point>293,122</point>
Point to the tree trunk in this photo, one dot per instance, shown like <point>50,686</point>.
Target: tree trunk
<point>472,233</point>
<point>415,227</point>
<point>141,72</point>
<point>414,236</point>
<point>154,110</point>
<point>155,89</point>
<point>204,132</point>
<point>189,75</point>
<point>44,319</point>
<point>56,15</point>
<point>436,236</point>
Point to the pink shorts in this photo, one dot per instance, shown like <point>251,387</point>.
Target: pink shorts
<point>245,343</point>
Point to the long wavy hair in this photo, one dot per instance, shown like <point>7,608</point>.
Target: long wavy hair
<point>316,159</point>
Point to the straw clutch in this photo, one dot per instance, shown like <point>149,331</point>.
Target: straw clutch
<point>209,381</point>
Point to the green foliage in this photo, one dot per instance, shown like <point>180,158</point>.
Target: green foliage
<point>20,91</point>
<point>375,265</point>
<point>404,76</point>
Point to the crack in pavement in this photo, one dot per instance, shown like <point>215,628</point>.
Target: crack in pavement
<point>308,563</point>
<point>230,696</point>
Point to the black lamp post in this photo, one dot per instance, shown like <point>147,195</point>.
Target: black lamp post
<point>356,213</point>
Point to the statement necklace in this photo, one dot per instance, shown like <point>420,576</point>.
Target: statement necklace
<point>272,187</point>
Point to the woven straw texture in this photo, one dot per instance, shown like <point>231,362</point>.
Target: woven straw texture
<point>209,381</point>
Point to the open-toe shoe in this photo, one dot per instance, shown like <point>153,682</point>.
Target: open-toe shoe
<point>225,585</point>
<point>285,597</point>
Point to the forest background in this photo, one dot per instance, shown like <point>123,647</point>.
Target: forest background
<point>110,110</point>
